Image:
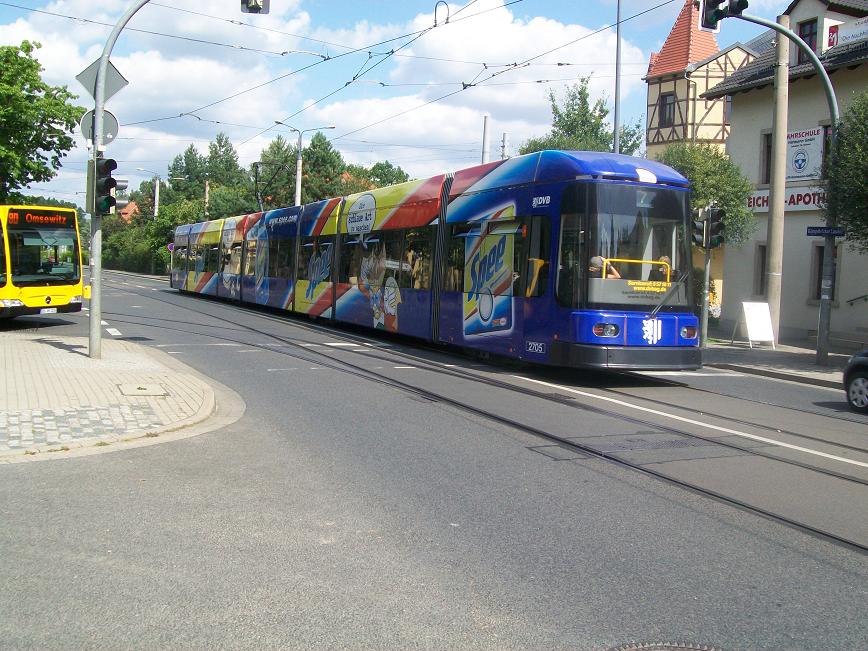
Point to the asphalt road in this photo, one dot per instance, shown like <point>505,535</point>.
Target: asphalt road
<point>351,508</point>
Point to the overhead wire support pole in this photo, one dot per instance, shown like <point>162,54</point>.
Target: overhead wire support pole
<point>95,330</point>
<point>616,142</point>
<point>828,280</point>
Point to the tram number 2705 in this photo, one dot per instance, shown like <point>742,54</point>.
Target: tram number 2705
<point>538,347</point>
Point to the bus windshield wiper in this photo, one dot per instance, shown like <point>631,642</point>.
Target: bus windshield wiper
<point>668,294</point>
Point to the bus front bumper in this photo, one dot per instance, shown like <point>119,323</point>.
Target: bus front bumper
<point>23,310</point>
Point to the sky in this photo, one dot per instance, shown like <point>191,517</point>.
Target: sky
<point>397,82</point>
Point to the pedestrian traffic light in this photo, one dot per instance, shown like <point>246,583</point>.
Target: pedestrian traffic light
<point>715,227</point>
<point>120,186</point>
<point>736,7</point>
<point>103,185</point>
<point>698,230</point>
<point>710,14</point>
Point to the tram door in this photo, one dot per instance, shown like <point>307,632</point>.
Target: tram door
<point>535,292</point>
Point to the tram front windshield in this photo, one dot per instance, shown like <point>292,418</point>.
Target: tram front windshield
<point>43,255</point>
<point>623,245</point>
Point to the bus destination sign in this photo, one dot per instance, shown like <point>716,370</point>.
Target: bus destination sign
<point>24,217</point>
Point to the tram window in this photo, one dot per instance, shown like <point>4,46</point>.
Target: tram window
<point>352,251</point>
<point>418,255</point>
<point>2,259</point>
<point>314,258</point>
<point>212,257</point>
<point>572,242</point>
<point>179,259</point>
<point>198,259</point>
<point>454,280</point>
<point>234,264</point>
<point>538,245</point>
<point>250,258</point>
<point>393,256</point>
<point>280,254</point>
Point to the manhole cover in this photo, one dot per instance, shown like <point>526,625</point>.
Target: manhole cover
<point>142,390</point>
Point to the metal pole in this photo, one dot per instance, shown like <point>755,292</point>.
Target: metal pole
<point>207,188</point>
<point>828,282</point>
<point>775,226</point>
<point>486,143</point>
<point>616,141</point>
<point>504,146</point>
<point>706,284</point>
<point>298,172</point>
<point>156,196</point>
<point>256,186</point>
<point>95,327</point>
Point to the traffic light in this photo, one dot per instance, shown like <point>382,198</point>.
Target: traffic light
<point>255,6</point>
<point>710,14</point>
<point>736,7</point>
<point>103,186</point>
<point>715,227</point>
<point>698,230</point>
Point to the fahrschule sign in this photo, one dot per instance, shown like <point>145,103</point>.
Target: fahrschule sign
<point>805,154</point>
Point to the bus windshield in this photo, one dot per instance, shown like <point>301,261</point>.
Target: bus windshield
<point>43,255</point>
<point>2,258</point>
<point>624,245</point>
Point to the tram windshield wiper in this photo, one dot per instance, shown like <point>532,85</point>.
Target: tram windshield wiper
<point>668,294</point>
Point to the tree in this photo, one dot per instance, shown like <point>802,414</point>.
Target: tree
<point>222,163</point>
<point>188,172</point>
<point>228,201</point>
<point>714,180</point>
<point>322,170</point>
<point>577,125</point>
<point>848,175</point>
<point>277,173</point>
<point>35,121</point>
<point>384,173</point>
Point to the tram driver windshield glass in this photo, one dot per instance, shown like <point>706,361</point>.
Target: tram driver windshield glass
<point>43,255</point>
<point>627,249</point>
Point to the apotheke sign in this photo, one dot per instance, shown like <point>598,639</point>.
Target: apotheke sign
<point>796,200</point>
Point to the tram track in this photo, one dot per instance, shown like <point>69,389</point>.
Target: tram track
<point>298,351</point>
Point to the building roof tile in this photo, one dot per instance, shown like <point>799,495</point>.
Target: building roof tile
<point>685,44</point>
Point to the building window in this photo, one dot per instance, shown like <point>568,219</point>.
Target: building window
<point>817,256</point>
<point>808,33</point>
<point>667,110</point>
<point>766,158</point>
<point>727,110</point>
<point>759,281</point>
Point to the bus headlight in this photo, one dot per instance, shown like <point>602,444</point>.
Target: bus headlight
<point>75,299</point>
<point>11,302</point>
<point>688,332</point>
<point>606,329</point>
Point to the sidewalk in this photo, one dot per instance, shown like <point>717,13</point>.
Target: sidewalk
<point>53,397</point>
<point>785,362</point>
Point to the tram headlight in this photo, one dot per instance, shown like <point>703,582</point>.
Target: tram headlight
<point>688,332</point>
<point>75,299</point>
<point>606,329</point>
<point>11,302</point>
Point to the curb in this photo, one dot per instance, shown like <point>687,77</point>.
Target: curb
<point>778,375</point>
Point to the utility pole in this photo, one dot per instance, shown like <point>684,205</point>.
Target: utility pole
<point>616,141</point>
<point>207,184</point>
<point>504,146</point>
<point>775,226</point>
<point>486,142</point>
<point>156,197</point>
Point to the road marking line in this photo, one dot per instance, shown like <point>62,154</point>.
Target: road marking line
<point>697,422</point>
<point>274,370</point>
<point>311,345</point>
<point>114,332</point>
<point>103,322</point>
<point>175,345</point>
<point>689,373</point>
<point>141,286</point>
<point>403,367</point>
<point>138,306</point>
<point>174,352</point>
<point>340,343</point>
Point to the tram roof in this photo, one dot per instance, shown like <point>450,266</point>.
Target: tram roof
<point>551,166</point>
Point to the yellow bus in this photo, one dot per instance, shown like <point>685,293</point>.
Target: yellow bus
<point>40,261</point>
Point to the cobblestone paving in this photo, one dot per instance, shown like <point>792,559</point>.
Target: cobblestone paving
<point>22,429</point>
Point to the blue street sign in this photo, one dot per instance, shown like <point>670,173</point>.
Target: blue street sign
<point>835,231</point>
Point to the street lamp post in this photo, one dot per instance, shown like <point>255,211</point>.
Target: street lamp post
<point>157,181</point>
<point>298,155</point>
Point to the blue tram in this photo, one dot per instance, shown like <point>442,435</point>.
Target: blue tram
<point>563,258</point>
